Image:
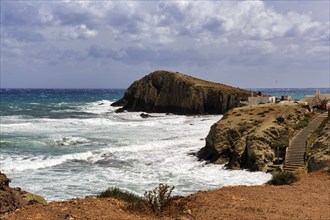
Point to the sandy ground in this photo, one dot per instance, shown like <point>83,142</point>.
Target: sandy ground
<point>307,199</point>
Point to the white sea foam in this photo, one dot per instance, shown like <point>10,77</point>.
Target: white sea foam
<point>66,141</point>
<point>70,157</point>
<point>98,107</point>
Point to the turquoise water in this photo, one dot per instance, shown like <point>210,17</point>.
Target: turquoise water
<point>70,143</point>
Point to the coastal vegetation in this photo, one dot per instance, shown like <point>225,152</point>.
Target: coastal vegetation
<point>157,200</point>
<point>280,145</point>
<point>283,178</point>
<point>114,192</point>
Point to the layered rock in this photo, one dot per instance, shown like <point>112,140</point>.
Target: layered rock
<point>169,92</point>
<point>320,151</point>
<point>14,198</point>
<point>244,137</point>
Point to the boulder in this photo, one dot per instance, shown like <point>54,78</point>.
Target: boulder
<point>244,138</point>
<point>169,92</point>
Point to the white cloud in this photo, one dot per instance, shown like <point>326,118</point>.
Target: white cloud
<point>164,33</point>
<point>77,32</point>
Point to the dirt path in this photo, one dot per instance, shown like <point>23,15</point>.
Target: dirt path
<point>307,199</point>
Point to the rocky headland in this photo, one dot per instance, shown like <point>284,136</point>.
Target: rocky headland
<point>245,137</point>
<point>14,198</point>
<point>172,92</point>
<point>319,153</point>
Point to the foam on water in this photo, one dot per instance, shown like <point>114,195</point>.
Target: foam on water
<point>75,157</point>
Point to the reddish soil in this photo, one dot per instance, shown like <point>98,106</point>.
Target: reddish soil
<point>307,199</point>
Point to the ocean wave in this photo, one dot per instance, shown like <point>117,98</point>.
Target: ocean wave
<point>4,144</point>
<point>98,107</point>
<point>66,141</point>
<point>19,164</point>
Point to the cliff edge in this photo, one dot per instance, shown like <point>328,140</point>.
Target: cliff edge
<point>14,198</point>
<point>169,92</point>
<point>245,137</point>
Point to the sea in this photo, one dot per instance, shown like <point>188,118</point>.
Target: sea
<point>69,143</point>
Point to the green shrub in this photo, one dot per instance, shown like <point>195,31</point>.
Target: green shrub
<point>283,178</point>
<point>159,198</point>
<point>301,124</point>
<point>114,192</point>
<point>33,202</point>
<point>280,120</point>
<point>280,145</point>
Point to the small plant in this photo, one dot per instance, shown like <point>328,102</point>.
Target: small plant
<point>283,178</point>
<point>322,104</point>
<point>159,198</point>
<point>33,202</point>
<point>280,145</point>
<point>301,124</point>
<point>280,120</point>
<point>114,192</point>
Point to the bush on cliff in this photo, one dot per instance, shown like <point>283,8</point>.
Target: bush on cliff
<point>114,192</point>
<point>159,200</point>
<point>283,178</point>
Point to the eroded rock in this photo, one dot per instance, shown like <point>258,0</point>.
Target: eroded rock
<point>244,137</point>
<point>169,92</point>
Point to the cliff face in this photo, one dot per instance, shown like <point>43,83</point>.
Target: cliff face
<point>163,91</point>
<point>320,151</point>
<point>244,137</point>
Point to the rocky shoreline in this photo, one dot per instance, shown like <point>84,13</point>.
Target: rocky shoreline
<point>245,138</point>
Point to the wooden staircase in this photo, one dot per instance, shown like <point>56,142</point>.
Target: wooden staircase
<point>296,151</point>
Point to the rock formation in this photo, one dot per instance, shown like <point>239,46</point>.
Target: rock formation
<point>169,92</point>
<point>320,151</point>
<point>14,198</point>
<point>244,137</point>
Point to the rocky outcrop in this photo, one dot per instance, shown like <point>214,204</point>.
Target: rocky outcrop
<point>169,92</point>
<point>245,136</point>
<point>320,151</point>
<point>14,198</point>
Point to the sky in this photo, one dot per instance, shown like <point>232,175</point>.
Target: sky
<point>110,44</point>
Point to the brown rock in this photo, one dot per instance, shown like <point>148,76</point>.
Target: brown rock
<point>14,198</point>
<point>164,91</point>
<point>243,138</point>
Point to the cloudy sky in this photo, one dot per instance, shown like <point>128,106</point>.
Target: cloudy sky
<point>109,44</point>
